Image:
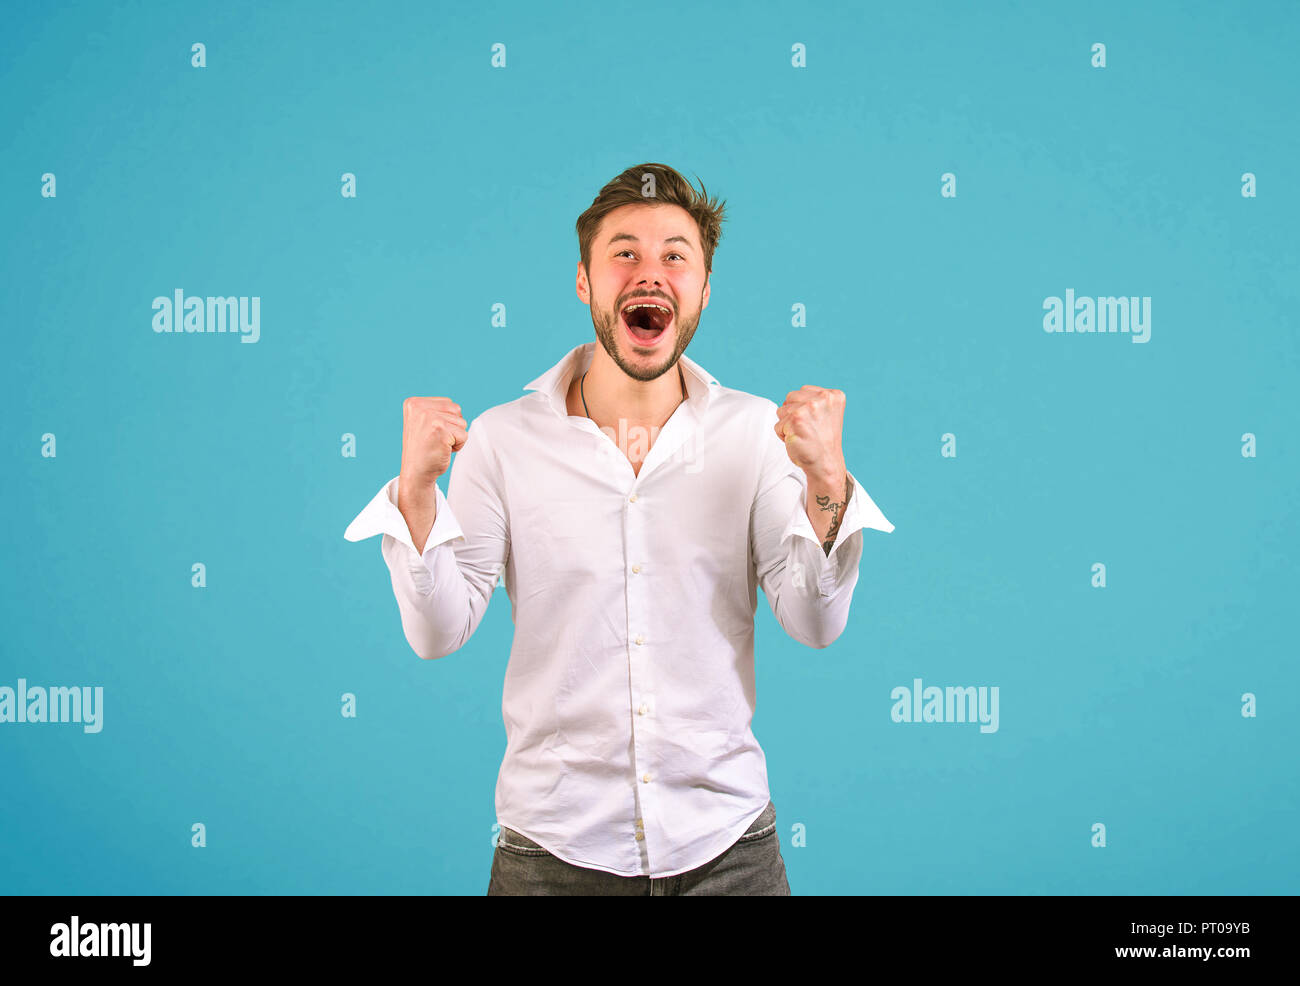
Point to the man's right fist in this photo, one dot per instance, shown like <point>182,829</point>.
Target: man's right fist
<point>432,429</point>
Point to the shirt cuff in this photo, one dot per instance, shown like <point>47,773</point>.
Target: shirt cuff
<point>861,513</point>
<point>381,516</point>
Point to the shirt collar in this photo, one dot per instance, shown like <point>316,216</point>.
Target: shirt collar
<point>554,383</point>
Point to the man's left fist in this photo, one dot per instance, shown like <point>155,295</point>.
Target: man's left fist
<point>811,422</point>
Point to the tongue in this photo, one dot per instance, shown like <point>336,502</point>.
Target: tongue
<point>646,334</point>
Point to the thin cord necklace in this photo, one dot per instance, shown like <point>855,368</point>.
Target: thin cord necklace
<point>583,391</point>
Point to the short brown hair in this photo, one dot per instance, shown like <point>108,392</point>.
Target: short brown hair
<point>670,188</point>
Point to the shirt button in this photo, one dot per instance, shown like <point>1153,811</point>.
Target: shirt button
<point>646,778</point>
<point>635,569</point>
<point>632,498</point>
<point>640,639</point>
<point>640,836</point>
<point>643,710</point>
<point>638,823</point>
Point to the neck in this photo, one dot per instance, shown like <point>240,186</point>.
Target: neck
<point>612,395</point>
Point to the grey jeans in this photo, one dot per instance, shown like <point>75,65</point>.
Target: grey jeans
<point>753,866</point>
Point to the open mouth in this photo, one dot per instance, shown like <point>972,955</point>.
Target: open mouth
<point>646,321</point>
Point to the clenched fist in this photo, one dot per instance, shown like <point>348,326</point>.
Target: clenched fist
<point>812,421</point>
<point>432,429</point>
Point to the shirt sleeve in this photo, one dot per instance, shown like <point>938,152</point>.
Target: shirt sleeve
<point>443,591</point>
<point>809,591</point>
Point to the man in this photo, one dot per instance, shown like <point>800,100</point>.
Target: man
<point>633,505</point>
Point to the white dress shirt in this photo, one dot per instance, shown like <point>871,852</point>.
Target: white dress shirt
<point>629,692</point>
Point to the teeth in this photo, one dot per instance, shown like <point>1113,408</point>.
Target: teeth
<point>630,308</point>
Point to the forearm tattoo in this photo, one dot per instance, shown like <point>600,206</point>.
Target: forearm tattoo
<point>837,514</point>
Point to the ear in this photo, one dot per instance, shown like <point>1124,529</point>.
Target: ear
<point>704,298</point>
<point>583,287</point>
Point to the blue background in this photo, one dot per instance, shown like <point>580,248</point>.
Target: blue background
<point>221,705</point>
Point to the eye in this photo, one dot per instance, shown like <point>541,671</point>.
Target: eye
<point>621,252</point>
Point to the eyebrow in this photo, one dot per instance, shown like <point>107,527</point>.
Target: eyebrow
<point>628,236</point>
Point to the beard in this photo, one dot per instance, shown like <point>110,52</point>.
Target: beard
<point>610,333</point>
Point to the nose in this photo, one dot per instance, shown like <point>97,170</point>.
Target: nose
<point>650,273</point>
<point>650,286</point>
